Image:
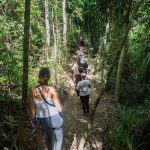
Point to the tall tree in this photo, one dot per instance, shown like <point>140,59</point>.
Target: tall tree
<point>64,22</point>
<point>123,51</point>
<point>26,53</point>
<point>47,27</point>
<point>17,142</point>
<point>55,32</point>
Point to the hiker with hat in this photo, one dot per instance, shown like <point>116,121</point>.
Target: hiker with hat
<point>84,87</point>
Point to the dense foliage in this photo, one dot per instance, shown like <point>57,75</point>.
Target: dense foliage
<point>103,25</point>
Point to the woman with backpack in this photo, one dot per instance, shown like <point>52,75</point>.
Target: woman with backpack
<point>46,108</point>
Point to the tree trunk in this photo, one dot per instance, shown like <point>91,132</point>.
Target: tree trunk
<point>64,23</point>
<point>26,53</point>
<point>123,53</point>
<point>104,45</point>
<point>55,32</point>
<point>106,30</point>
<point>124,38</point>
<point>17,140</point>
<point>120,70</point>
<point>47,27</point>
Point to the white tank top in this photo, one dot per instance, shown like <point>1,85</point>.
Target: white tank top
<point>43,109</point>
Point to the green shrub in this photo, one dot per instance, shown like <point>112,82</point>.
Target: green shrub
<point>129,118</point>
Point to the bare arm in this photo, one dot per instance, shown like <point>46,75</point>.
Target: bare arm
<point>56,99</point>
<point>78,85</point>
<point>31,104</point>
<point>74,79</point>
<point>89,84</point>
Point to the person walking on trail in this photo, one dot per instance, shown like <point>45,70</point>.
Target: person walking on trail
<point>83,64</point>
<point>80,54</point>
<point>81,41</point>
<point>46,108</point>
<point>78,78</point>
<point>81,50</point>
<point>83,87</point>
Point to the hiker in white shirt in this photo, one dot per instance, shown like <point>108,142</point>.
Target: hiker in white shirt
<point>83,87</point>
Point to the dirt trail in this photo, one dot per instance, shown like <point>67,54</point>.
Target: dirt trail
<point>75,123</point>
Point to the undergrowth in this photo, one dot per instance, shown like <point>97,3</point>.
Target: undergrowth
<point>123,133</point>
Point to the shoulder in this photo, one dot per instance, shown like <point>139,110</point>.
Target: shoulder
<point>52,90</point>
<point>79,83</point>
<point>32,91</point>
<point>87,81</point>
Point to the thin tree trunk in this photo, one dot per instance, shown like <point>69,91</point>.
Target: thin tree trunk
<point>47,27</point>
<point>123,54</point>
<point>120,71</point>
<point>25,54</point>
<point>106,30</point>
<point>104,46</point>
<point>64,23</point>
<point>55,32</point>
<point>124,38</point>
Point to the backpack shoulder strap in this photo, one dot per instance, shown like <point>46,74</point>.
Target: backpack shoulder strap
<point>44,97</point>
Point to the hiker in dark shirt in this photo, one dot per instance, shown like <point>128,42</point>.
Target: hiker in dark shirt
<point>78,78</point>
<point>83,64</point>
<point>81,41</point>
